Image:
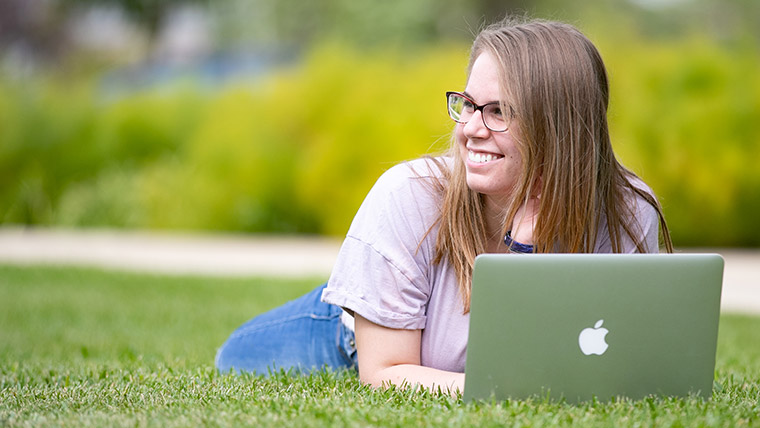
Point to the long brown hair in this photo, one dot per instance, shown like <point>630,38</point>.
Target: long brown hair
<point>556,84</point>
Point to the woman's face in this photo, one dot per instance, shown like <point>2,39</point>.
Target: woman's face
<point>491,159</point>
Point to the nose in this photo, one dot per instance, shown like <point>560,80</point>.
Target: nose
<point>476,127</point>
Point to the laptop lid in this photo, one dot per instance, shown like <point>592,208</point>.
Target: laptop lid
<point>578,326</point>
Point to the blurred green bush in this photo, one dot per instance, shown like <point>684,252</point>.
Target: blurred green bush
<point>686,117</point>
<point>295,151</point>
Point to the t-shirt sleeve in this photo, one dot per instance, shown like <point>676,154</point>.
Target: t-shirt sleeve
<point>382,270</point>
<point>645,222</point>
<point>648,222</point>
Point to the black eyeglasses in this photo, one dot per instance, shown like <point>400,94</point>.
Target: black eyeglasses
<point>462,108</point>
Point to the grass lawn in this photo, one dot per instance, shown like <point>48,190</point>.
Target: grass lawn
<point>82,347</point>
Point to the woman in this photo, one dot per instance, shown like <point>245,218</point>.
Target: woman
<point>531,169</point>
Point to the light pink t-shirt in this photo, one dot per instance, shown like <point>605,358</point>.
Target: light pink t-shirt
<point>385,270</point>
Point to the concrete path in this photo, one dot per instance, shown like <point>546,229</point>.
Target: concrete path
<point>237,255</point>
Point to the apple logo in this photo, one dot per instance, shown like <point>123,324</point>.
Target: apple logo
<point>591,340</point>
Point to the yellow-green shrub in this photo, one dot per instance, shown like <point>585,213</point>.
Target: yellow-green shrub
<point>686,116</point>
<point>297,149</point>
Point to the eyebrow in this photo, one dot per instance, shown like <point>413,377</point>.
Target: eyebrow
<point>473,98</point>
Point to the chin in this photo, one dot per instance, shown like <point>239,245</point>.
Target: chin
<point>479,186</point>
<point>488,187</point>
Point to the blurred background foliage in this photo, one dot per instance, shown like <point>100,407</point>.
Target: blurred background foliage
<point>276,116</point>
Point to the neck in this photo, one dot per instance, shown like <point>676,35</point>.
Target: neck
<point>494,222</point>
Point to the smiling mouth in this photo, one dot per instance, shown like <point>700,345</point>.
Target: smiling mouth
<point>482,157</point>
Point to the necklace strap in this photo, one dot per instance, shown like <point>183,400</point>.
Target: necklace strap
<point>516,247</point>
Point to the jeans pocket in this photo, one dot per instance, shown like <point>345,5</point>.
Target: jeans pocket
<point>346,342</point>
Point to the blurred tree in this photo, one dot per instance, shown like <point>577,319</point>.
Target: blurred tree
<point>28,26</point>
<point>150,14</point>
<point>39,26</point>
<point>296,23</point>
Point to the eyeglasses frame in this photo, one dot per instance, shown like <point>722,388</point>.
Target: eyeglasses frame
<point>477,108</point>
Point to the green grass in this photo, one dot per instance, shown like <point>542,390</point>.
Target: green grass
<point>83,347</point>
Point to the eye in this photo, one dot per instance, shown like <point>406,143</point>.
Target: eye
<point>494,110</point>
<point>468,106</point>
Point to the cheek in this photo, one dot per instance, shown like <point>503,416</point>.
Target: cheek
<point>461,141</point>
<point>510,148</point>
<point>459,134</point>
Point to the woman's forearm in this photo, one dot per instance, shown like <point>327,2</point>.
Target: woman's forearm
<point>410,375</point>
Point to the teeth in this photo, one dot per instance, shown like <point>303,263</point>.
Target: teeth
<point>480,157</point>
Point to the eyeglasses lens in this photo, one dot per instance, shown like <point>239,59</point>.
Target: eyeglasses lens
<point>493,118</point>
<point>456,108</point>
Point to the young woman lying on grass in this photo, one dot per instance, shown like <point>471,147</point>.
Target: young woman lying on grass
<point>530,170</point>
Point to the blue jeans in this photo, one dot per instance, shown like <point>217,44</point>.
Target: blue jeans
<point>303,335</point>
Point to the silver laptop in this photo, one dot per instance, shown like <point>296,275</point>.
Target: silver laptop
<point>577,326</point>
